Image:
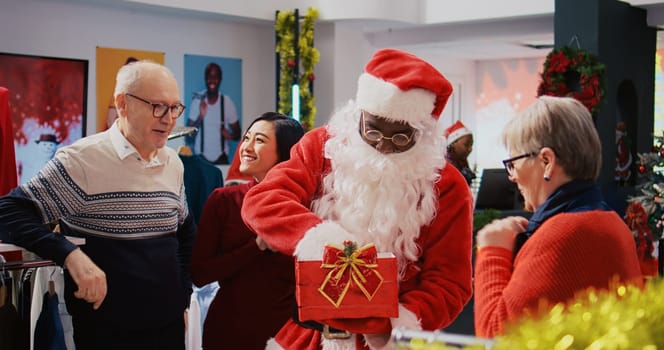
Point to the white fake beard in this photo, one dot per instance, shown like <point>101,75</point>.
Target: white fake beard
<point>381,198</point>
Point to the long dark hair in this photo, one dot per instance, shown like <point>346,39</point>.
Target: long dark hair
<point>287,130</point>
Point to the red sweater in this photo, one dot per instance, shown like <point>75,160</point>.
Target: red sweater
<point>569,253</point>
<point>255,297</point>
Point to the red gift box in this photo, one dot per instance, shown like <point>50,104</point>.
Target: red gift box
<point>348,282</point>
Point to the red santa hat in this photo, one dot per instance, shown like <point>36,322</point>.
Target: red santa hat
<point>400,86</point>
<point>456,131</point>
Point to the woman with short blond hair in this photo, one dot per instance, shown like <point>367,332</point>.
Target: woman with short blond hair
<point>572,242</point>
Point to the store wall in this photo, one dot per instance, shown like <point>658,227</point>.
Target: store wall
<point>75,29</point>
<point>503,89</point>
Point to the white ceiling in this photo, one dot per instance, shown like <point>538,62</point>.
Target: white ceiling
<point>527,36</point>
<point>476,40</point>
<point>502,36</point>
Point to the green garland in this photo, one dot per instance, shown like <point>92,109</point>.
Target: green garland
<point>624,317</point>
<point>309,56</point>
<point>482,217</point>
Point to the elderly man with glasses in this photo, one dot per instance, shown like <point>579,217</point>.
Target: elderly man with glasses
<point>122,190</point>
<point>375,174</point>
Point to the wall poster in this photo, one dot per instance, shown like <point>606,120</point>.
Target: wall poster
<point>47,104</point>
<point>109,61</point>
<point>213,95</point>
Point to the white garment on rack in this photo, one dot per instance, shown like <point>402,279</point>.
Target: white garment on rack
<point>205,295</point>
<point>40,286</point>
<point>194,335</point>
<point>201,298</point>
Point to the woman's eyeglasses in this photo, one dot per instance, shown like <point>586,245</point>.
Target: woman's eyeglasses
<point>509,162</point>
<point>159,110</point>
<point>373,135</point>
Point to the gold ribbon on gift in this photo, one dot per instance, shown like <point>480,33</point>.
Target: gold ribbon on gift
<point>350,265</point>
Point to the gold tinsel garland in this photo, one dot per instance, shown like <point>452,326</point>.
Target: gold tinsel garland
<point>623,317</point>
<point>308,55</point>
<point>626,317</point>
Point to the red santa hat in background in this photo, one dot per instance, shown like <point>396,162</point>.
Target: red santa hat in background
<point>402,87</point>
<point>456,131</point>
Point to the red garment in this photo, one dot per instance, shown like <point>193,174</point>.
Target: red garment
<point>234,173</point>
<point>569,253</point>
<point>256,291</point>
<point>622,170</point>
<point>434,289</point>
<point>8,178</point>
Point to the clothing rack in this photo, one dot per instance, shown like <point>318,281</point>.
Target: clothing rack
<point>180,131</point>
<point>27,259</point>
<point>24,264</point>
<point>25,280</point>
<point>410,339</point>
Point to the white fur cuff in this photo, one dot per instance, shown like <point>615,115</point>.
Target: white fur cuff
<point>407,320</point>
<point>273,345</point>
<point>338,344</point>
<point>311,246</point>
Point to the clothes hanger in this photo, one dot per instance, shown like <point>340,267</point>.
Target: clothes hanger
<point>3,287</point>
<point>184,150</point>
<point>51,283</point>
<point>3,295</point>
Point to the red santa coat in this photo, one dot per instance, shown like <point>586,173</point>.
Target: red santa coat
<point>434,289</point>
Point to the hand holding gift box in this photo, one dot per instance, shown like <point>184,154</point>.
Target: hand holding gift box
<point>347,283</point>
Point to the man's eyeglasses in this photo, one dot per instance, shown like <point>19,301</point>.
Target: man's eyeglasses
<point>509,162</point>
<point>159,110</point>
<point>373,135</point>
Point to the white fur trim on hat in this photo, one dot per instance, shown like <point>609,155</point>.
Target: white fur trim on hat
<point>457,135</point>
<point>456,131</point>
<point>386,100</point>
<point>311,246</point>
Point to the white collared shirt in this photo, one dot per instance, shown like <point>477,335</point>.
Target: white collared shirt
<point>124,148</point>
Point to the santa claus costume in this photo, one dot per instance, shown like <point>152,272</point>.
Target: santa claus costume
<point>457,153</point>
<point>336,187</point>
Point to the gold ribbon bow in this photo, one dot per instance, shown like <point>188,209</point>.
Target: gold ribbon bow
<point>350,265</point>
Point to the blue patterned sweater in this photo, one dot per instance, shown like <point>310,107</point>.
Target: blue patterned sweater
<point>133,215</point>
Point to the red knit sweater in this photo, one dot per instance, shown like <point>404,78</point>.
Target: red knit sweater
<point>569,253</point>
<point>256,287</point>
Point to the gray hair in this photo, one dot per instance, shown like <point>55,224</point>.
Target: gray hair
<point>564,125</point>
<point>130,75</point>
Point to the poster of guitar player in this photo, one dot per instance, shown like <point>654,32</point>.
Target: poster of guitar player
<point>213,89</point>
<point>47,104</point>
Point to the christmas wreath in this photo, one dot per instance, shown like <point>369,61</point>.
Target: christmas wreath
<point>573,72</point>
